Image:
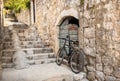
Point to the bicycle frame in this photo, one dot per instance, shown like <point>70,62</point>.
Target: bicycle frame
<point>68,45</point>
<point>75,57</point>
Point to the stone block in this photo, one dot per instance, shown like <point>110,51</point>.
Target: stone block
<point>86,41</point>
<point>117,47</point>
<point>89,32</point>
<point>30,52</point>
<point>91,76</point>
<point>85,80</point>
<point>91,3</point>
<point>100,76</point>
<point>90,68</point>
<point>84,22</point>
<point>20,34</point>
<point>110,78</point>
<point>86,18</point>
<point>92,61</point>
<point>99,67</point>
<point>108,70</point>
<point>106,60</point>
<point>98,58</point>
<point>11,28</point>
<point>103,0</point>
<point>92,42</point>
<point>100,51</point>
<point>108,25</point>
<point>90,51</point>
<point>80,77</point>
<point>74,4</point>
<point>117,74</point>
<point>89,42</point>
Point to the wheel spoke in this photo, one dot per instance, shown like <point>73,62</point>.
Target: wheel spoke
<point>77,62</point>
<point>60,56</point>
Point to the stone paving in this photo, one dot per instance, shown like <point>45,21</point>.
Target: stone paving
<point>44,72</point>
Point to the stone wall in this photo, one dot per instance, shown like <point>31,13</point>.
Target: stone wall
<point>100,22</point>
<point>24,16</point>
<point>99,32</point>
<point>47,13</point>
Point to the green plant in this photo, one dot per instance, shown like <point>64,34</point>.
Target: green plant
<point>93,9</point>
<point>17,5</point>
<point>81,2</point>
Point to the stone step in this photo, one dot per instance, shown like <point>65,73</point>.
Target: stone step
<point>31,44</point>
<point>31,62</point>
<point>8,59</point>
<point>8,45</point>
<point>25,44</point>
<point>8,39</point>
<point>35,41</point>
<point>35,50</point>
<point>30,49</point>
<point>8,42</point>
<point>10,52</point>
<point>41,56</point>
<point>42,61</point>
<point>31,41</point>
<point>27,39</point>
<point>5,47</point>
<point>21,27</point>
<point>7,65</point>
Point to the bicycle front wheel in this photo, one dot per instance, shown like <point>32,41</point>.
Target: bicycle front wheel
<point>60,56</point>
<point>77,61</point>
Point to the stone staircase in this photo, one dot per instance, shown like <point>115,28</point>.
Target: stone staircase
<point>22,37</point>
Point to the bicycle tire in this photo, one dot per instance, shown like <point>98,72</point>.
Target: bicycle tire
<point>77,61</point>
<point>60,56</point>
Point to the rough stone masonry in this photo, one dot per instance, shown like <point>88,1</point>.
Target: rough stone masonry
<point>99,32</point>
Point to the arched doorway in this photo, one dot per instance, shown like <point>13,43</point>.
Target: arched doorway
<point>69,25</point>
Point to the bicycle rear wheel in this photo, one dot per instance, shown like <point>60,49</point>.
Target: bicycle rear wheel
<point>77,61</point>
<point>60,56</point>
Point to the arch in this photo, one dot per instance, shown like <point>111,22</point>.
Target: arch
<point>69,26</point>
<point>66,13</point>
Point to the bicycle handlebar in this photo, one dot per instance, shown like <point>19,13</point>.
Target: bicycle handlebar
<point>62,38</point>
<point>67,39</point>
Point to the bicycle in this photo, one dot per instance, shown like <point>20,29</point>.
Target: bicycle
<point>75,56</point>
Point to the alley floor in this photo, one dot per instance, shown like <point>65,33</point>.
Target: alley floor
<point>45,68</point>
<point>36,72</point>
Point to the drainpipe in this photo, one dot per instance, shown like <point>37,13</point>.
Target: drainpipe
<point>1,32</point>
<point>31,12</point>
<point>1,22</point>
<point>2,19</point>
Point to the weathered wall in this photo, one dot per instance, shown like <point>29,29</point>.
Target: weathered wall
<point>24,16</point>
<point>99,32</point>
<point>47,13</point>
